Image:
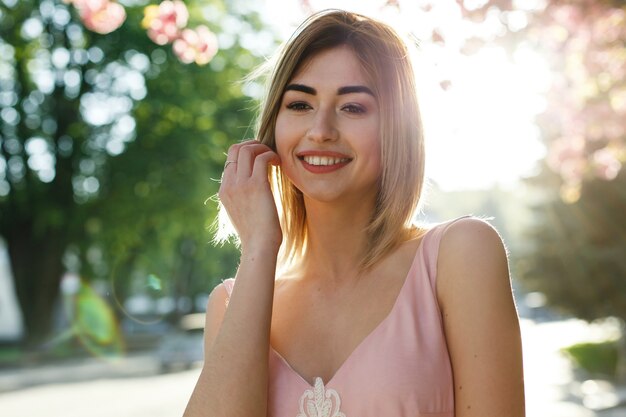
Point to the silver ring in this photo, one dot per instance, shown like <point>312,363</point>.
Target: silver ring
<point>229,162</point>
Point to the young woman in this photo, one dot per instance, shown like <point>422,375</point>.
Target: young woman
<point>363,314</point>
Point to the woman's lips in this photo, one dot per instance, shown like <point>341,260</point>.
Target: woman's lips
<point>323,162</point>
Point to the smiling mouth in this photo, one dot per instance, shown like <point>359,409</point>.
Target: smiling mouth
<point>323,160</point>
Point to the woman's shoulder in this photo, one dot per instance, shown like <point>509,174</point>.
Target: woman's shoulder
<point>463,231</point>
<point>472,257</point>
<point>468,235</point>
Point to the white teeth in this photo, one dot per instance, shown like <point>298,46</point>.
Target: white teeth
<point>323,160</point>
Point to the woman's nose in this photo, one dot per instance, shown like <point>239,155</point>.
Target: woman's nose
<point>323,126</point>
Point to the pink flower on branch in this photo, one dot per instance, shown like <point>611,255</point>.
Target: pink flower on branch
<point>587,108</point>
<point>199,46</point>
<point>606,164</point>
<point>566,156</point>
<point>100,16</point>
<point>165,21</point>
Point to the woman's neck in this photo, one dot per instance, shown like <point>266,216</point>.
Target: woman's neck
<point>336,240</point>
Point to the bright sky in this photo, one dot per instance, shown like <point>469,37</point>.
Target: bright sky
<point>480,132</point>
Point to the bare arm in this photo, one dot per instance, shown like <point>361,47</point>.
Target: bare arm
<point>234,378</point>
<point>480,322</point>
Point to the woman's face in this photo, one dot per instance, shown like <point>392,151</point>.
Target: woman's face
<point>327,129</point>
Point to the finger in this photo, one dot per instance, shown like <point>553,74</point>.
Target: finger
<point>247,155</point>
<point>231,159</point>
<point>233,150</point>
<point>230,165</point>
<point>263,161</point>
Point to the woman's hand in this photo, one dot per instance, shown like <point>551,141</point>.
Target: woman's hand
<point>234,377</point>
<point>247,197</point>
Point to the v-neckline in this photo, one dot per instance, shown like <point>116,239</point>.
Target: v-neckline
<point>369,335</point>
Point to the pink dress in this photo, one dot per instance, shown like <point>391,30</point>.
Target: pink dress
<point>401,369</point>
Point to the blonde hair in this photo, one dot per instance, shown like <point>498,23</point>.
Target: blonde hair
<point>385,59</point>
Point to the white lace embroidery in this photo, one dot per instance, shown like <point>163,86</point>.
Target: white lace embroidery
<point>320,402</point>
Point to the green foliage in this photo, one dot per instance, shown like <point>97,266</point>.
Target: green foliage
<point>130,144</point>
<point>579,234</point>
<point>576,257</point>
<point>598,359</point>
<point>9,356</point>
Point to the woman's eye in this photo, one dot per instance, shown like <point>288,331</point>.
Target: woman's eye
<point>354,108</point>
<point>298,106</point>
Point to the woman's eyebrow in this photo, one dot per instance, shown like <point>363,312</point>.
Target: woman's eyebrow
<point>340,91</point>
<point>355,89</point>
<point>302,88</point>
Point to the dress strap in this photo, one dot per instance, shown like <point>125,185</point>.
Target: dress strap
<point>431,247</point>
<point>441,228</point>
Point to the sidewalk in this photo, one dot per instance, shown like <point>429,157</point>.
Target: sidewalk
<point>79,370</point>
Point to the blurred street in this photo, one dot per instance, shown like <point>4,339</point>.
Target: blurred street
<point>133,387</point>
<point>149,396</point>
<point>552,389</point>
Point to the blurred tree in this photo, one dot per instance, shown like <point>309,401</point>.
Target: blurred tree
<point>579,236</point>
<point>110,146</point>
<point>577,259</point>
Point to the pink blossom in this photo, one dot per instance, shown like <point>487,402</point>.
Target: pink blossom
<point>88,4</point>
<point>100,16</point>
<point>586,102</point>
<point>570,17</point>
<point>566,156</point>
<point>607,166</point>
<point>165,21</point>
<point>199,46</point>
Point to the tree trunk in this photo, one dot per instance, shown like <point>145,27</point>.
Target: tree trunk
<point>36,263</point>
